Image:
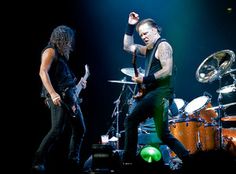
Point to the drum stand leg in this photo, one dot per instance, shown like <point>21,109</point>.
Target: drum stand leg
<point>220,115</point>
<point>116,113</point>
<point>199,144</point>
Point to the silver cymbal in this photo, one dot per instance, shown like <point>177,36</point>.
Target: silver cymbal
<point>130,71</point>
<point>227,89</point>
<point>215,65</point>
<point>121,81</point>
<point>223,106</point>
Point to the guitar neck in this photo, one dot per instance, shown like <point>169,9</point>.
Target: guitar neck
<point>134,64</point>
<point>78,87</point>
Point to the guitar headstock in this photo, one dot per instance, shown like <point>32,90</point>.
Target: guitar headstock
<point>87,70</point>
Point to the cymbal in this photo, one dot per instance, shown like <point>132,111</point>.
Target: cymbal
<point>223,106</point>
<point>121,81</point>
<point>229,118</point>
<point>227,89</point>
<point>130,71</point>
<point>215,65</point>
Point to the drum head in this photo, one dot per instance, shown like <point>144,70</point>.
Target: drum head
<point>180,103</point>
<point>196,104</point>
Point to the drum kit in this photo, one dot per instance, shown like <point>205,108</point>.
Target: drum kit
<point>200,127</point>
<point>198,124</point>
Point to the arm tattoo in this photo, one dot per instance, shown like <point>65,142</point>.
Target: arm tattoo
<point>165,57</point>
<point>165,52</point>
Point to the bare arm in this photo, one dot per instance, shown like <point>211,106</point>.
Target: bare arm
<point>46,61</point>
<point>164,54</point>
<point>128,41</point>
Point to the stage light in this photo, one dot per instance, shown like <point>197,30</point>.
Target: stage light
<point>150,154</point>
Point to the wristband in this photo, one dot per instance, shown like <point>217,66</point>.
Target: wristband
<point>129,29</point>
<point>149,79</point>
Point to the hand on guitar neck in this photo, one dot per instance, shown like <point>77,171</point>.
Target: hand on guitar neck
<point>141,87</point>
<point>73,93</point>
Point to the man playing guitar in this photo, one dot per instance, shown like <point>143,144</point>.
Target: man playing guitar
<point>158,86</point>
<point>59,89</point>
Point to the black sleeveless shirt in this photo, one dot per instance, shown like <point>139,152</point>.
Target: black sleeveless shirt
<point>156,66</point>
<point>60,74</point>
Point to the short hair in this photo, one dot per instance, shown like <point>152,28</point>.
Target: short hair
<point>150,22</point>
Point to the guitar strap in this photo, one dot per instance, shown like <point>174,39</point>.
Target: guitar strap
<point>149,61</point>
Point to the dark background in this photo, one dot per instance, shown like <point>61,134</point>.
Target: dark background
<point>195,29</point>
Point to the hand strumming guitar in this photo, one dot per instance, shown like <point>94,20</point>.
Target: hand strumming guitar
<point>83,82</point>
<point>138,79</point>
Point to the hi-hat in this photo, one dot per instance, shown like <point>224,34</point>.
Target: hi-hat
<point>130,71</point>
<point>121,81</point>
<point>221,106</point>
<point>215,65</point>
<point>227,89</point>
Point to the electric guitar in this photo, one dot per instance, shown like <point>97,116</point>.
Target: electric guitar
<point>78,87</point>
<point>141,87</point>
<point>72,94</point>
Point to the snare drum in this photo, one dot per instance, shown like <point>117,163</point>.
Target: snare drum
<point>199,108</point>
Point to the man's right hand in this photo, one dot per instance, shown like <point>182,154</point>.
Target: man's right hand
<point>133,18</point>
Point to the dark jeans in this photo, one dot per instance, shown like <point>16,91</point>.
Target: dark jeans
<point>154,103</point>
<point>60,117</point>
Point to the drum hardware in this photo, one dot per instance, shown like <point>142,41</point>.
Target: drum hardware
<point>214,67</point>
<point>230,71</point>
<point>116,111</point>
<point>221,106</point>
<point>199,144</point>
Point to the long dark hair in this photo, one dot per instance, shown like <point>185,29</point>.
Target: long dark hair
<point>62,37</point>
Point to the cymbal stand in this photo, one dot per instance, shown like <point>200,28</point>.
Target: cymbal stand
<point>116,113</point>
<point>220,113</point>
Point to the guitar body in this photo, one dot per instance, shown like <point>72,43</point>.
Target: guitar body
<point>71,95</point>
<point>141,92</point>
<point>141,88</point>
